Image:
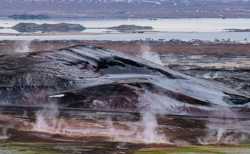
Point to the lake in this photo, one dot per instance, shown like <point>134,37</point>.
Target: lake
<point>165,29</point>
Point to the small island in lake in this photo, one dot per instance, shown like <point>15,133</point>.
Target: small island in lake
<point>237,30</point>
<point>60,27</point>
<point>131,28</point>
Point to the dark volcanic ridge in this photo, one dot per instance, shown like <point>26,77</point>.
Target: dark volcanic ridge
<point>85,91</point>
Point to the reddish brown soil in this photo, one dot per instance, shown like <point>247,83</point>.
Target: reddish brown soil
<point>136,47</point>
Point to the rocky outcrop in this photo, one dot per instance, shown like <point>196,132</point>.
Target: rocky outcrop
<point>61,27</point>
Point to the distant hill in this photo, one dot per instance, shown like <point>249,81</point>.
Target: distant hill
<point>28,16</point>
<point>128,8</point>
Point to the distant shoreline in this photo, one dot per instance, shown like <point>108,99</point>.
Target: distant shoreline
<point>186,30</point>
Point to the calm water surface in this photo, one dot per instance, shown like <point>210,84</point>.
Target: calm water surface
<point>183,29</point>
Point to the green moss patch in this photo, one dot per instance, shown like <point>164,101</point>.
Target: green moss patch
<point>27,148</point>
<point>243,149</point>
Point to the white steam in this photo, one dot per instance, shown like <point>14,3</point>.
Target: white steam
<point>220,130</point>
<point>224,130</point>
<point>153,105</point>
<point>22,46</point>
<point>4,133</point>
<point>149,55</point>
<point>47,119</point>
<point>150,133</point>
<point>144,131</point>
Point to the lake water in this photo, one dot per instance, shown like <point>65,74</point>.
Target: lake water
<point>183,29</point>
